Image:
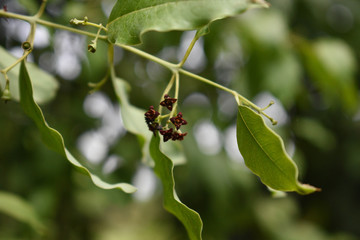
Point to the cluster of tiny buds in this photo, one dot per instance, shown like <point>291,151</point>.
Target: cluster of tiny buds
<point>151,118</point>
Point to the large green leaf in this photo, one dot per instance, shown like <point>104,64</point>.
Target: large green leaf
<point>264,153</point>
<point>134,121</point>
<point>45,85</point>
<point>53,138</point>
<point>130,19</point>
<point>21,210</point>
<point>164,170</point>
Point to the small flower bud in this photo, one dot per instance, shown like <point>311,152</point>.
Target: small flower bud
<point>92,48</point>
<point>6,95</point>
<point>26,45</point>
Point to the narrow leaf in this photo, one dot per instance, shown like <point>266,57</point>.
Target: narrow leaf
<point>21,210</point>
<point>53,138</point>
<point>264,153</point>
<point>45,85</point>
<point>130,19</point>
<point>164,170</point>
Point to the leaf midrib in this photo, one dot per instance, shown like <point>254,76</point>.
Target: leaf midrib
<point>154,6</point>
<point>272,161</point>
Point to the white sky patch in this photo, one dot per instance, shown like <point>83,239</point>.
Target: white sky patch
<point>197,99</point>
<point>145,181</point>
<point>231,146</point>
<point>112,125</point>
<point>18,52</point>
<point>111,164</point>
<point>67,66</point>
<point>227,104</point>
<point>96,105</point>
<point>19,30</point>
<point>208,137</point>
<point>276,111</point>
<point>69,51</point>
<point>107,6</point>
<point>93,146</point>
<point>197,58</point>
<point>42,37</point>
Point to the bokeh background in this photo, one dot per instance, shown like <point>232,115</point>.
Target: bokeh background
<point>302,54</point>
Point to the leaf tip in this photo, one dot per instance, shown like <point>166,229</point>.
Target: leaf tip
<point>305,189</point>
<point>262,3</point>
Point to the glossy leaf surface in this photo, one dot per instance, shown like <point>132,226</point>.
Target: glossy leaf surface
<point>19,209</point>
<point>264,153</point>
<point>53,138</point>
<point>44,84</point>
<point>130,19</point>
<point>164,170</point>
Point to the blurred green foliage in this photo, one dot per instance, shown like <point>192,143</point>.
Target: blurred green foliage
<point>304,53</point>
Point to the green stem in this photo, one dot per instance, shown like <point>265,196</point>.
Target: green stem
<point>35,19</point>
<point>86,22</point>
<point>177,84</point>
<point>148,56</point>
<point>41,9</point>
<point>166,91</point>
<point>5,70</point>
<point>96,86</point>
<point>238,97</point>
<point>188,51</point>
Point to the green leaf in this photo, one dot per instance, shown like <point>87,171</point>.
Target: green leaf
<point>21,210</point>
<point>130,19</point>
<point>45,85</point>
<point>53,138</point>
<point>164,170</point>
<point>133,117</point>
<point>264,153</point>
<point>30,5</point>
<point>134,121</point>
<point>315,133</point>
<point>331,65</point>
<point>339,62</point>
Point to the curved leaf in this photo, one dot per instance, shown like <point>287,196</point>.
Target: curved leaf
<point>53,138</point>
<point>130,19</point>
<point>133,117</point>
<point>21,210</point>
<point>164,170</point>
<point>45,85</point>
<point>264,153</point>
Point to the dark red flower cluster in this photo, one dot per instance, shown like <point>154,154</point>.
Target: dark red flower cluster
<point>173,135</point>
<point>151,120</point>
<point>150,117</point>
